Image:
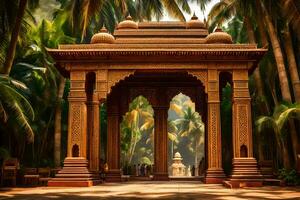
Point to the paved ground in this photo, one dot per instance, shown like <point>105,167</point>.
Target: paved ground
<point>151,190</point>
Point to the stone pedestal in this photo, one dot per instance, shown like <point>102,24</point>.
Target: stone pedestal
<point>75,173</point>
<point>214,176</point>
<point>245,173</point>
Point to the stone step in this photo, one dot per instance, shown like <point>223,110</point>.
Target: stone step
<point>273,182</point>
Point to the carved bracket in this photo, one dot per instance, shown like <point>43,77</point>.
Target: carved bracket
<point>201,75</point>
<point>115,76</point>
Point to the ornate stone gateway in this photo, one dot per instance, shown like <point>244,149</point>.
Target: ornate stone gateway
<point>151,59</point>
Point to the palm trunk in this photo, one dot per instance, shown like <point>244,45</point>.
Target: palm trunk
<point>286,156</point>
<point>256,73</point>
<point>294,139</point>
<point>292,63</point>
<point>57,126</point>
<point>14,38</point>
<point>283,80</point>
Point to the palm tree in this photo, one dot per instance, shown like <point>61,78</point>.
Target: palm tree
<point>225,9</point>
<point>49,34</point>
<point>281,117</point>
<point>15,107</point>
<point>188,123</point>
<point>191,125</point>
<point>283,80</point>
<point>14,38</point>
<point>138,120</point>
<point>288,45</point>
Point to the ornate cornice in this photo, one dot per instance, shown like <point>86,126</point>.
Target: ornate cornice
<point>94,54</point>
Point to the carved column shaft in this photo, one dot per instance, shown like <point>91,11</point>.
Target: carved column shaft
<point>94,136</point>
<point>215,172</point>
<point>242,127</point>
<point>77,125</point>
<point>113,140</point>
<point>161,143</point>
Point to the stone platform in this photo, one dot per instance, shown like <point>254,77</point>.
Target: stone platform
<point>75,173</point>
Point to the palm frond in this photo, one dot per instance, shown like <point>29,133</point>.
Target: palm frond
<point>173,9</point>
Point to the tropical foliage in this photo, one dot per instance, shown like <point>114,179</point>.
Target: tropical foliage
<point>137,133</point>
<point>185,130</point>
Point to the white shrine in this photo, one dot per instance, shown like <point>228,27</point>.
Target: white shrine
<point>178,168</point>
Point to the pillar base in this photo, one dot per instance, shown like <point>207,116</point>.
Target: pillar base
<point>161,177</point>
<point>113,175</point>
<point>214,176</point>
<point>245,173</point>
<point>75,173</point>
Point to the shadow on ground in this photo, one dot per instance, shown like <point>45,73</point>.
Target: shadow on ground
<point>152,191</point>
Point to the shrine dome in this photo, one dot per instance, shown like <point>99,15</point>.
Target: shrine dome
<point>103,37</point>
<point>177,156</point>
<point>128,24</point>
<point>195,23</point>
<point>219,37</point>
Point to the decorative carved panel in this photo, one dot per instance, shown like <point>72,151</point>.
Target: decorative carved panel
<point>213,134</point>
<point>243,124</point>
<point>76,124</point>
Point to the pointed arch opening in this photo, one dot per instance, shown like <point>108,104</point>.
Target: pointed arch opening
<point>186,132</point>
<point>137,139</point>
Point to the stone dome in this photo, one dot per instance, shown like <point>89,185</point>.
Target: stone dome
<point>102,37</point>
<point>195,23</point>
<point>219,37</point>
<point>128,24</point>
<point>177,156</point>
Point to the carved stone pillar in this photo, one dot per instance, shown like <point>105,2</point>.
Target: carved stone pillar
<point>113,140</point>
<point>94,139</point>
<point>245,171</point>
<point>214,173</point>
<point>161,144</point>
<point>75,171</point>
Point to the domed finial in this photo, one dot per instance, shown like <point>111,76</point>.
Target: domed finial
<point>219,37</point>
<point>102,37</point>
<point>195,23</point>
<point>128,23</point>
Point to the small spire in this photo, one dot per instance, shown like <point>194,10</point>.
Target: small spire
<point>194,17</point>
<point>219,28</point>
<point>129,17</point>
<point>103,29</point>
